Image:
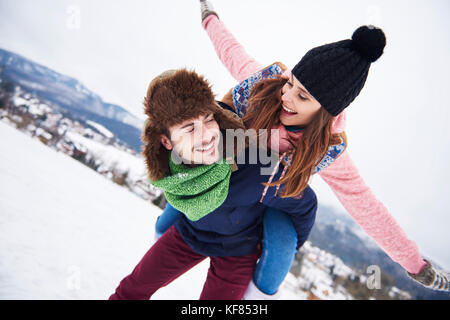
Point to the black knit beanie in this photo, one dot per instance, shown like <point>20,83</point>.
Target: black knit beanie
<point>335,73</point>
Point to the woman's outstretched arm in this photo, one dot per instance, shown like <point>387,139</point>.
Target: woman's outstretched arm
<point>232,54</point>
<point>373,217</point>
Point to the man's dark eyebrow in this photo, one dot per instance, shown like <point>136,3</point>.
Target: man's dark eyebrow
<point>187,125</point>
<point>191,123</point>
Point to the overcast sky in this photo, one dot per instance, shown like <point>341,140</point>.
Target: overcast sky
<point>397,128</point>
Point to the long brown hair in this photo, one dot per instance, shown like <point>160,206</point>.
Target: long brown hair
<point>263,112</point>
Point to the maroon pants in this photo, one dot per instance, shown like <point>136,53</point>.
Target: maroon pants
<point>170,257</point>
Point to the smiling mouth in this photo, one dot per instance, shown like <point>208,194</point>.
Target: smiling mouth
<point>290,111</point>
<point>207,147</point>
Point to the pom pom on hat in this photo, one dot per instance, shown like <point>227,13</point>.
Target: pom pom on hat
<point>369,41</point>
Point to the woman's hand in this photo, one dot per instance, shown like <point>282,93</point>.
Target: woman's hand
<point>206,9</point>
<point>432,278</point>
<point>286,75</point>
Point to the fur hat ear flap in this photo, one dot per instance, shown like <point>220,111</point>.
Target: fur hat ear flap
<point>227,119</point>
<point>155,154</point>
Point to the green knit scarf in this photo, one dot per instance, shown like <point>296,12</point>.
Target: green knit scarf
<point>196,191</point>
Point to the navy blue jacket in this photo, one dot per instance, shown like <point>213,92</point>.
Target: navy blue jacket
<point>235,228</point>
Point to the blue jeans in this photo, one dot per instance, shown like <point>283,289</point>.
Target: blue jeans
<point>279,245</point>
<point>278,252</point>
<point>166,219</point>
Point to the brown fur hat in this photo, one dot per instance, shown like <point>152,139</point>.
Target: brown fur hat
<point>173,97</point>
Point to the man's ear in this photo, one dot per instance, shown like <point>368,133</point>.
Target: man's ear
<point>166,142</point>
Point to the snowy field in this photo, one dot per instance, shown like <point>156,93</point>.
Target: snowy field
<point>67,232</point>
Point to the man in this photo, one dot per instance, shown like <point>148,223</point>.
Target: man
<point>222,215</point>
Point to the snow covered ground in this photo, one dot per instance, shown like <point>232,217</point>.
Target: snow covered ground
<point>66,232</point>
<point>112,157</point>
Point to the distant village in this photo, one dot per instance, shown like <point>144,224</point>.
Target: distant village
<point>58,130</point>
<point>315,273</point>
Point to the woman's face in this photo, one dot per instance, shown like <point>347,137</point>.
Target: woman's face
<point>298,105</point>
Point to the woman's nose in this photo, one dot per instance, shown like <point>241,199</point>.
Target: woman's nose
<point>284,96</point>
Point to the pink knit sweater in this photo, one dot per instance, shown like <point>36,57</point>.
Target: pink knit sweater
<point>342,175</point>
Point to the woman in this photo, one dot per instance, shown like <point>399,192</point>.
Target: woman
<point>314,95</point>
<point>307,107</point>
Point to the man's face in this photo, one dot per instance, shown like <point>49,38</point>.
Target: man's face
<point>196,141</point>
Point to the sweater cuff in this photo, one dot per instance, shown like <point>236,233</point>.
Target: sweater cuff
<point>415,265</point>
<point>208,19</point>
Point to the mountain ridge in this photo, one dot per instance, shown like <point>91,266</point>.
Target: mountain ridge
<point>71,95</point>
